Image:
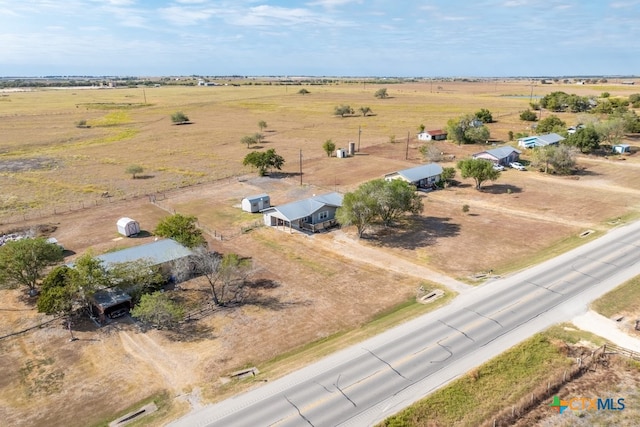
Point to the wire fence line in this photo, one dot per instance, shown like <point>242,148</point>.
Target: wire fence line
<point>106,199</point>
<point>582,365</point>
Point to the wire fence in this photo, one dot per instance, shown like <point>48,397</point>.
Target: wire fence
<point>590,362</point>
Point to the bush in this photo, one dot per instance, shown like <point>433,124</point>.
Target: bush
<point>179,117</point>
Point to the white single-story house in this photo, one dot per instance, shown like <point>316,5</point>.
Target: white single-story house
<point>256,203</point>
<point>621,148</point>
<point>540,140</point>
<point>432,135</point>
<point>501,155</point>
<point>313,214</point>
<point>424,176</point>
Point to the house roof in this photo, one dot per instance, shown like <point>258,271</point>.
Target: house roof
<point>306,207</point>
<point>257,197</point>
<point>417,173</point>
<point>106,298</point>
<point>550,138</point>
<point>541,140</point>
<point>436,132</point>
<point>156,253</point>
<point>500,152</point>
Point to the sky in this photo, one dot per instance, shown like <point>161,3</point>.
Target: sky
<point>375,38</point>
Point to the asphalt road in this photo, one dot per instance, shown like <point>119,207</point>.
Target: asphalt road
<point>367,382</point>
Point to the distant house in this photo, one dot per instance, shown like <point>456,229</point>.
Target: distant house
<point>424,176</point>
<point>313,214</point>
<point>256,203</point>
<point>432,135</point>
<point>540,140</point>
<point>621,148</point>
<point>501,155</point>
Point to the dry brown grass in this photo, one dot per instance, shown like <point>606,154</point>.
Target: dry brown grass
<point>320,291</point>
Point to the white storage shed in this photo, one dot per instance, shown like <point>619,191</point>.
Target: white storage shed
<point>256,203</point>
<point>128,227</point>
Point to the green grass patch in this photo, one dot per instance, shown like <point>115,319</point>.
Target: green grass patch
<point>111,119</point>
<point>624,298</point>
<point>484,391</point>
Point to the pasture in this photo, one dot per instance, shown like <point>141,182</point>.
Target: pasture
<point>323,286</point>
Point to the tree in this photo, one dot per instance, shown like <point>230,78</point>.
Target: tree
<point>59,295</point>
<point>447,175</point>
<point>394,199</point>
<point>329,147</point>
<point>381,93</point>
<point>88,275</point>
<point>158,309</point>
<point>421,128</point>
<point>542,156</point>
<point>227,275</point>
<point>358,209</point>
<point>343,110</point>
<point>134,170</point>
<point>262,125</point>
<point>249,140</point>
<point>430,152</point>
<point>551,124</point>
<point>528,116</point>
<point>465,130</point>
<point>179,117</point>
<point>634,100</point>
<point>182,229</point>
<point>379,199</point>
<point>586,140</point>
<point>23,262</point>
<point>563,159</point>
<point>611,131</point>
<point>303,91</point>
<point>478,169</point>
<point>264,161</point>
<point>135,277</point>
<point>365,111</point>
<point>484,116</point>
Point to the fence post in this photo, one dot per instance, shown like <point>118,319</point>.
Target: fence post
<point>564,376</point>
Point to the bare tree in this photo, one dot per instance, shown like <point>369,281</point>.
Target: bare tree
<point>227,274</point>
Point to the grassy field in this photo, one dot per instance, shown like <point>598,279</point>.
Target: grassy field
<point>622,301</point>
<point>500,383</point>
<point>324,293</point>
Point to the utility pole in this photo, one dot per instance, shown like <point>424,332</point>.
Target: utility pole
<point>359,132</point>
<point>145,95</point>
<point>301,166</point>
<point>406,154</point>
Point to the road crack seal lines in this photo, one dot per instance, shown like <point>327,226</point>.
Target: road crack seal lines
<point>457,330</point>
<point>386,363</point>
<point>445,348</point>
<point>486,317</point>
<point>546,288</point>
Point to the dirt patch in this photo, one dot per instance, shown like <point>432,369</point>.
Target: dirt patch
<point>22,165</point>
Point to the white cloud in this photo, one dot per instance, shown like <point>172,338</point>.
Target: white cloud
<point>329,4</point>
<point>185,15</point>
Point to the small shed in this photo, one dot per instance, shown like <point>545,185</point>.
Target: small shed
<point>128,227</point>
<point>256,203</point>
<point>621,148</point>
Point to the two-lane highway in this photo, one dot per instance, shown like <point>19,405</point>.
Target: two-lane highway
<point>370,381</point>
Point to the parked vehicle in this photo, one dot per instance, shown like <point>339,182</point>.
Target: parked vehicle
<point>518,166</point>
<point>498,167</point>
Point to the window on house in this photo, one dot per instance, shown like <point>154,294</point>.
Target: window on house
<point>323,215</point>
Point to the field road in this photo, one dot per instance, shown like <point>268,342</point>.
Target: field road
<point>365,383</point>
